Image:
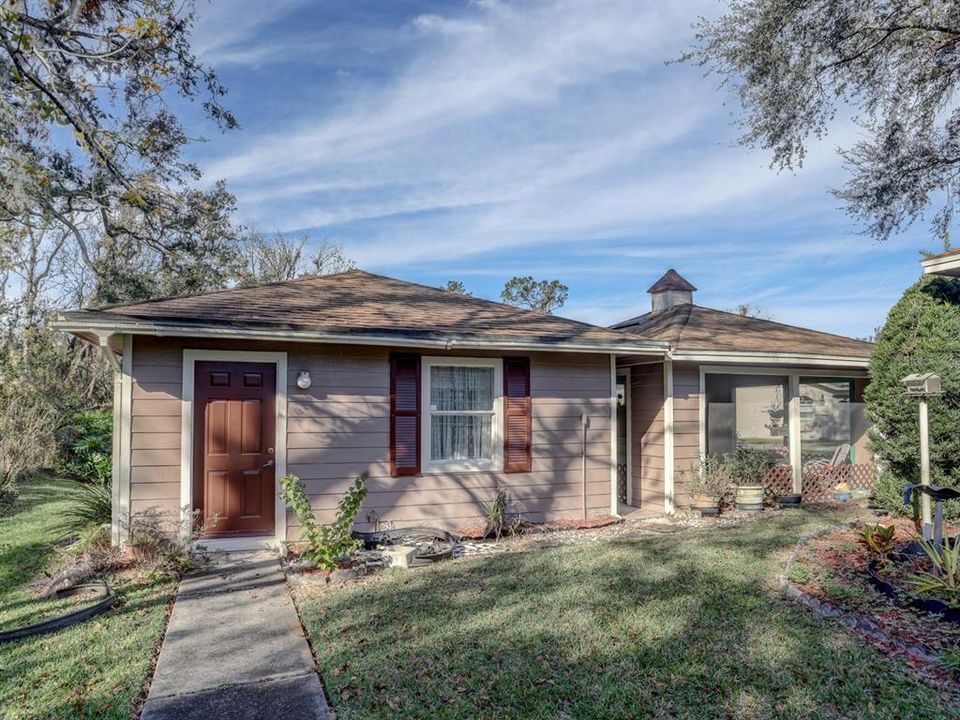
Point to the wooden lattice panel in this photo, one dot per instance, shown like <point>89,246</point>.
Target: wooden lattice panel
<point>779,480</point>
<point>819,481</point>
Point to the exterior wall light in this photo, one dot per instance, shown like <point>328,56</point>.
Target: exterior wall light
<point>303,380</point>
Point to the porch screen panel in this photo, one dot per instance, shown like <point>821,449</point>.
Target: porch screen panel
<point>747,411</point>
<point>829,420</point>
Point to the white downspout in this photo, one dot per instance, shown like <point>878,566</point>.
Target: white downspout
<point>583,460</point>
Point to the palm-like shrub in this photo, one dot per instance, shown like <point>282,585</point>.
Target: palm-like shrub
<point>90,510</point>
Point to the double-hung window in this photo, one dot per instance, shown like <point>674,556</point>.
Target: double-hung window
<point>461,428</point>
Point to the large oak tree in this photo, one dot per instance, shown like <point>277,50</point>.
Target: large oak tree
<point>893,64</point>
<point>87,134</point>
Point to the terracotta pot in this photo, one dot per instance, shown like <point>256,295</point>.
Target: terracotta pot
<point>750,497</point>
<point>705,504</point>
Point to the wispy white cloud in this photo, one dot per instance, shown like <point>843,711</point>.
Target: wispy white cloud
<point>227,32</point>
<point>550,132</point>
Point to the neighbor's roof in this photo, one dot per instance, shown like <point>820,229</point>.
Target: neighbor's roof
<point>352,306</point>
<point>947,263</point>
<point>690,328</point>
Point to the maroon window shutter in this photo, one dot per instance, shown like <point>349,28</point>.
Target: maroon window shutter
<point>517,432</point>
<point>404,415</point>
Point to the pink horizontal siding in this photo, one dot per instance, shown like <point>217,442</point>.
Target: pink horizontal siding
<point>339,428</point>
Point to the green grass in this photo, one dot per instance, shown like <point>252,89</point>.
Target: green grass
<point>682,626</point>
<point>96,669</point>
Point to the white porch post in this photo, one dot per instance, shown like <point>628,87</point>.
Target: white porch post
<point>122,410</point>
<point>115,457</point>
<point>793,423</point>
<point>668,456</point>
<point>613,436</point>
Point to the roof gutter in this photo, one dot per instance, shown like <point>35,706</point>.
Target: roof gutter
<point>770,358</point>
<point>87,326</point>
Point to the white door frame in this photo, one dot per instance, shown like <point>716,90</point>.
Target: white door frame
<point>190,358</point>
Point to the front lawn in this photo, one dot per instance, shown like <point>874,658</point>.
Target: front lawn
<point>688,625</point>
<point>93,670</point>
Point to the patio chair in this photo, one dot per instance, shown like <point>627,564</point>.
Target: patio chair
<point>823,473</point>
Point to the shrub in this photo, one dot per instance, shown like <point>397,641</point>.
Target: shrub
<point>9,492</point>
<point>155,544</point>
<point>748,466</point>
<point>44,380</point>
<point>496,517</point>
<point>922,334</point>
<point>713,477</point>
<point>327,545</point>
<point>89,512</point>
<point>24,431</point>
<point>495,514</point>
<point>86,446</point>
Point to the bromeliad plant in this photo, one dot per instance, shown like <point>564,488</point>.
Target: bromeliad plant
<point>879,540</point>
<point>327,545</point>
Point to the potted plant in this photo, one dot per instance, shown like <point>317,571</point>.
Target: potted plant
<point>709,483</point>
<point>841,491</point>
<point>748,467</point>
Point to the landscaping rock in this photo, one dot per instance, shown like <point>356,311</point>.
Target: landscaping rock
<point>400,556</point>
<point>342,575</point>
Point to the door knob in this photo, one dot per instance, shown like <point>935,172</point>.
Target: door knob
<point>269,464</point>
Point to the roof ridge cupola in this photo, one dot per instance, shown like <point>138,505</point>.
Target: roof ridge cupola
<point>669,291</point>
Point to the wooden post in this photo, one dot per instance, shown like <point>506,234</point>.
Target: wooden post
<point>925,517</point>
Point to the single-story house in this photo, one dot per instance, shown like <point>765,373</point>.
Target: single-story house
<point>444,398</point>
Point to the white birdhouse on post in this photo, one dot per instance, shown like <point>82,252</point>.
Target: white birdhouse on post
<point>924,385</point>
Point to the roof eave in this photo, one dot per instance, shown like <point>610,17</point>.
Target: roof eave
<point>942,265</point>
<point>786,359</point>
<point>83,324</point>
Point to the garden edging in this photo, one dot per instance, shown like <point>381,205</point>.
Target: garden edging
<point>859,624</point>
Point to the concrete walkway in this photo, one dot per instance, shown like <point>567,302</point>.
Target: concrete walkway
<point>235,649</point>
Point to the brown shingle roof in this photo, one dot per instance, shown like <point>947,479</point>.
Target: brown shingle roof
<point>671,280</point>
<point>693,327</point>
<point>359,303</point>
<point>948,253</point>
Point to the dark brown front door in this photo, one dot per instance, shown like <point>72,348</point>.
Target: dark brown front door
<point>234,441</point>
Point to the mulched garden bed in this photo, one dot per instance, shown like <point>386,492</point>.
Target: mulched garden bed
<point>831,571</point>
<point>479,532</point>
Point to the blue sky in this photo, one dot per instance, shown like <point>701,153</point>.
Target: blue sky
<point>481,140</point>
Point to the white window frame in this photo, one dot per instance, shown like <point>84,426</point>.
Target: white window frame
<point>495,463</point>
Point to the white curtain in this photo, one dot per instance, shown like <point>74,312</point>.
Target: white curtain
<point>461,406</point>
